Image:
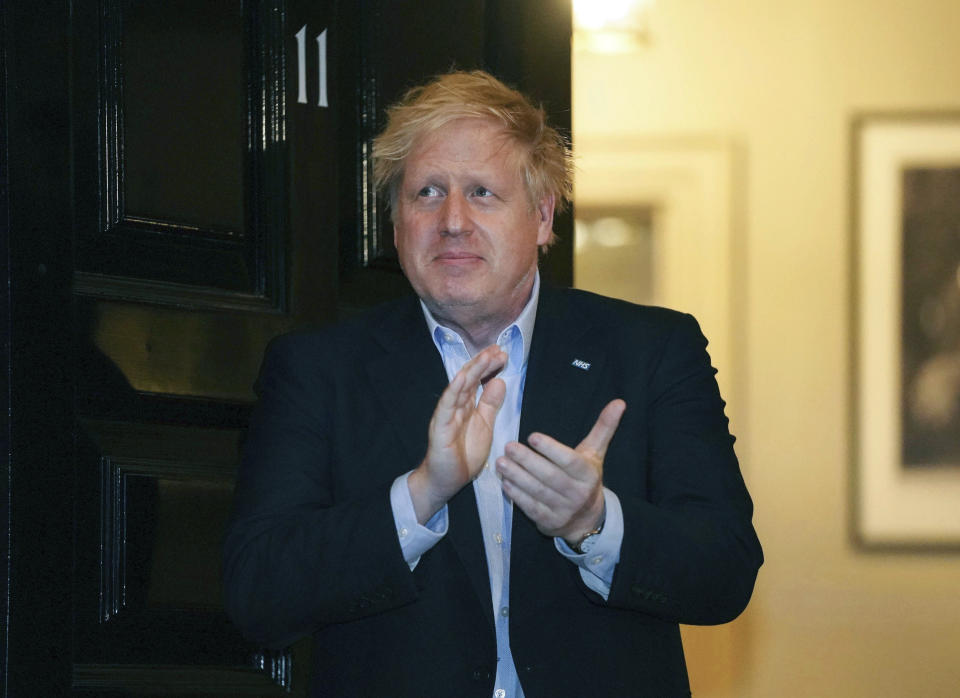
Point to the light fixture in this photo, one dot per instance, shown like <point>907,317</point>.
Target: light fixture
<point>611,26</point>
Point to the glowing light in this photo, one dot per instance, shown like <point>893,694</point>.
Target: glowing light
<point>611,25</point>
<point>601,14</point>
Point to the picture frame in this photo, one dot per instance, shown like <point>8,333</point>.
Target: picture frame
<point>906,331</point>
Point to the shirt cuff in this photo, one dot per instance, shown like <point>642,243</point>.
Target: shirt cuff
<point>415,539</point>
<point>596,568</point>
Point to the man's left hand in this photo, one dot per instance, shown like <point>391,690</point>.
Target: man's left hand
<point>558,487</point>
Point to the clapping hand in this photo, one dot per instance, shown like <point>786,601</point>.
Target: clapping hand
<point>558,487</point>
<point>460,433</point>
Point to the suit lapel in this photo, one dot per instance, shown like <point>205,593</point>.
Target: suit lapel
<point>564,370</point>
<point>408,378</point>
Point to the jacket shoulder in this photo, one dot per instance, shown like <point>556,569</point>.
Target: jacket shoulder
<point>349,334</point>
<point>604,311</point>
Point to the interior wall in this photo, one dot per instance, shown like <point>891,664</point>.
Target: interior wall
<point>782,82</point>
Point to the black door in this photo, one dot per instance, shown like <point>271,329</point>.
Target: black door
<point>181,181</point>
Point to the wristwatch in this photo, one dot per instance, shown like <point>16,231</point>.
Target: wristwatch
<point>585,544</point>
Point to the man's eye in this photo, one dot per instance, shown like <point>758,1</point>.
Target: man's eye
<point>429,191</point>
<point>482,191</point>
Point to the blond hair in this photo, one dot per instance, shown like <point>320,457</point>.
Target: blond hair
<point>545,159</point>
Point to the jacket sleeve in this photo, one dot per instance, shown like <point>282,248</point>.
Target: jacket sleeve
<point>295,557</point>
<point>689,552</point>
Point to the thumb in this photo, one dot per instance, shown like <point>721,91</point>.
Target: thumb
<point>603,429</point>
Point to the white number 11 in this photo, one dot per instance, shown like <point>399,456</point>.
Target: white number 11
<point>302,66</point>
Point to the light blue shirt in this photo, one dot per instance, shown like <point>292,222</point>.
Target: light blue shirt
<point>494,508</point>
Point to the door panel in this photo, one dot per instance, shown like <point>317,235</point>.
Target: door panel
<point>206,224</point>
<point>180,168</point>
<point>147,584</point>
<point>187,179</point>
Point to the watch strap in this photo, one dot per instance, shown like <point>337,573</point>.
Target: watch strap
<point>578,546</point>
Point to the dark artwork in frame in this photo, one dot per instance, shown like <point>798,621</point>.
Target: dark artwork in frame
<point>931,316</point>
<point>906,380</point>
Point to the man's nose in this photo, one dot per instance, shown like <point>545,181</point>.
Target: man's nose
<point>456,216</point>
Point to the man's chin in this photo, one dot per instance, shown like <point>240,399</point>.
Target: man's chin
<point>459,292</point>
<point>458,301</point>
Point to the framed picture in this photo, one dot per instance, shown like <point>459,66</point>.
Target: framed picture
<point>906,364</point>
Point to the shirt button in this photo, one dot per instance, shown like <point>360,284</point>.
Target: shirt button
<point>500,693</point>
<point>403,532</point>
<point>497,537</point>
<point>597,560</point>
<point>504,611</point>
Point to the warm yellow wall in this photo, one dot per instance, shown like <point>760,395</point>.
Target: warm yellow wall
<point>782,81</point>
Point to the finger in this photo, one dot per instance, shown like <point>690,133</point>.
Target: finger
<point>447,403</point>
<point>484,365</point>
<point>598,439</point>
<point>542,467</point>
<point>491,399</point>
<point>537,511</point>
<point>527,482</point>
<point>462,390</point>
<point>558,454</point>
<point>569,482</point>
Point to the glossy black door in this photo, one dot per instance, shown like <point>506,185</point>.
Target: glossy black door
<point>183,180</point>
<point>205,219</point>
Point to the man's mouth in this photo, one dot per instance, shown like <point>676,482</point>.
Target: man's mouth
<point>457,257</point>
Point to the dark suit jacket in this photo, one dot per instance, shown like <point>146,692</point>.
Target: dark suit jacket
<point>343,411</point>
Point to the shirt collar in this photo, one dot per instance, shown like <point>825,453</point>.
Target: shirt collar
<point>524,321</point>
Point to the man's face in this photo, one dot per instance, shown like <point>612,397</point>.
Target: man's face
<point>464,226</point>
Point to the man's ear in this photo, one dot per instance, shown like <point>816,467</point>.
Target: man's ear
<point>545,219</point>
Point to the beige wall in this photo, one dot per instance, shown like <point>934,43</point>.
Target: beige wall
<point>781,82</point>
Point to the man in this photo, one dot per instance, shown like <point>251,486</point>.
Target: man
<point>501,489</point>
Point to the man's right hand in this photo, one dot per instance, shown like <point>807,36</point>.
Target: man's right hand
<point>461,431</point>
